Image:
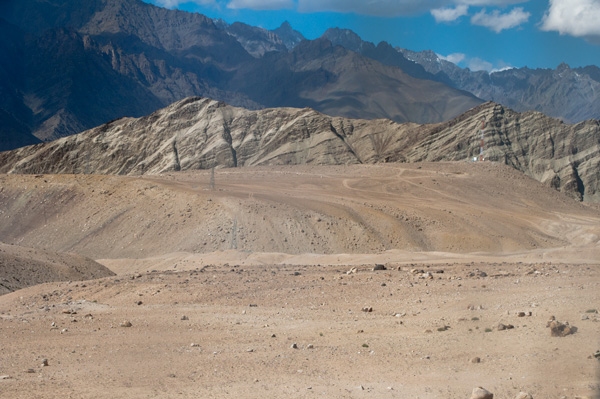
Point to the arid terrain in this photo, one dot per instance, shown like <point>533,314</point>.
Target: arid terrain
<point>258,282</point>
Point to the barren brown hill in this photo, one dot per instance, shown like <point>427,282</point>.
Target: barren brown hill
<point>199,133</point>
<point>453,207</point>
<point>478,257</point>
<point>23,267</point>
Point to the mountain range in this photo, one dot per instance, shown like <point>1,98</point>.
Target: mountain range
<point>73,66</point>
<point>77,66</point>
<point>201,133</point>
<point>570,94</point>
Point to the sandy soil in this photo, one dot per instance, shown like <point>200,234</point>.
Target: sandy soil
<point>494,242</point>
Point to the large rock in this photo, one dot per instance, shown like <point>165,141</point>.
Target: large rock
<point>481,393</point>
<point>558,329</point>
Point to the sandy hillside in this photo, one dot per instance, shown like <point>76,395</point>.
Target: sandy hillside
<point>23,267</point>
<point>219,284</point>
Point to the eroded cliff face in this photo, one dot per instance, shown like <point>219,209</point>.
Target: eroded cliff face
<point>200,133</point>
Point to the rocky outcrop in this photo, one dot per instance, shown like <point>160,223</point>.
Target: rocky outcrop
<point>200,133</point>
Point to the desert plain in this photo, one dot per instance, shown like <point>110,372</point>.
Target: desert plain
<point>263,282</point>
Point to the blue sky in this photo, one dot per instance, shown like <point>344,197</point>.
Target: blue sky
<point>480,34</point>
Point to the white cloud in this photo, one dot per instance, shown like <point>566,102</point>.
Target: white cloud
<point>176,3</point>
<point>579,18</point>
<point>261,4</point>
<point>497,21</point>
<point>477,64</point>
<point>486,3</point>
<point>449,14</point>
<point>455,58</point>
<point>394,8</point>
<point>506,68</point>
<point>390,8</point>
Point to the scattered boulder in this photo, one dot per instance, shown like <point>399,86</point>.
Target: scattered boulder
<point>523,395</point>
<point>476,360</point>
<point>502,327</point>
<point>379,267</point>
<point>184,318</point>
<point>477,273</point>
<point>481,393</point>
<point>126,323</point>
<point>558,329</point>
<point>367,309</point>
<point>294,346</point>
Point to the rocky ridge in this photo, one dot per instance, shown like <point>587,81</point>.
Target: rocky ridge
<point>566,93</point>
<point>200,133</point>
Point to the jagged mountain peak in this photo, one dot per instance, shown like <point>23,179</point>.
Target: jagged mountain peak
<point>290,37</point>
<point>345,38</point>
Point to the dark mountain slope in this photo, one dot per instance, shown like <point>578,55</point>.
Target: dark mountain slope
<point>339,82</point>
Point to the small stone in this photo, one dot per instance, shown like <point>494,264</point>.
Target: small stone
<point>585,317</point>
<point>597,354</point>
<point>481,393</point>
<point>139,303</point>
<point>294,346</point>
<point>501,327</point>
<point>250,350</point>
<point>53,324</point>
<point>310,346</point>
<point>476,360</point>
<point>30,371</point>
<point>523,395</point>
<point>4,377</point>
<point>351,271</point>
<point>297,273</point>
<point>367,309</point>
<point>273,336</point>
<point>64,330</point>
<point>126,324</point>
<point>194,345</point>
<point>184,318</point>
<point>44,362</point>
<point>521,314</point>
<point>379,267</point>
